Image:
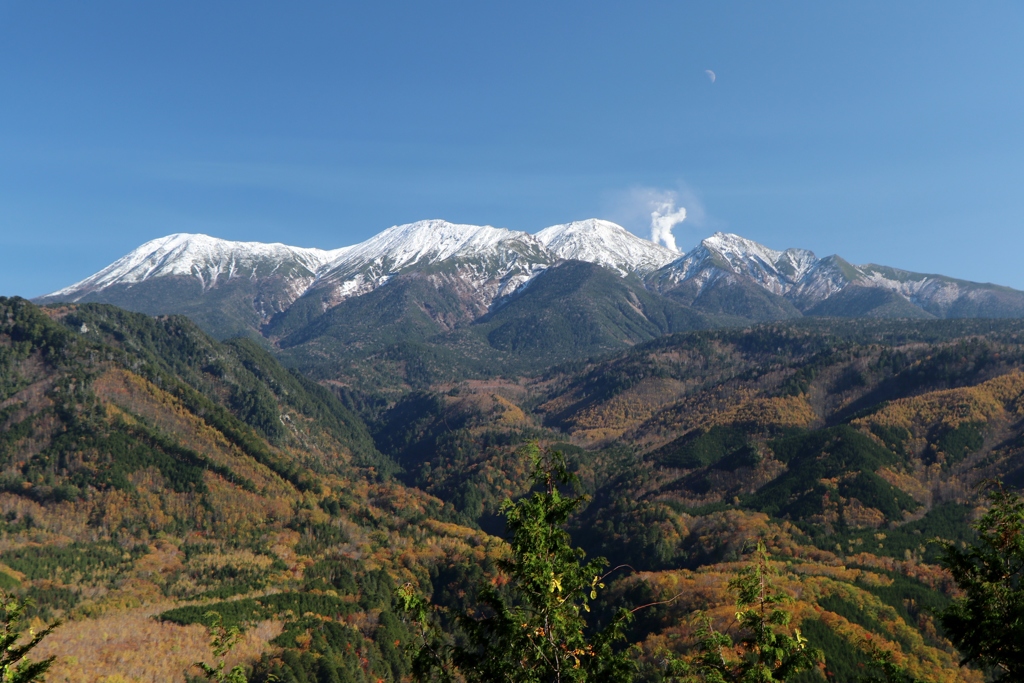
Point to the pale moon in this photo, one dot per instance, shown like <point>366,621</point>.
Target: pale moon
<point>711,74</point>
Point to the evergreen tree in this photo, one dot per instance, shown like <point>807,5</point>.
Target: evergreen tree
<point>987,623</point>
<point>15,666</point>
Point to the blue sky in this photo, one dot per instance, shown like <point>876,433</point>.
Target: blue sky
<point>886,132</point>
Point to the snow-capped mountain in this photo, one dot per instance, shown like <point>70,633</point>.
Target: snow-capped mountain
<point>806,281</point>
<point>945,297</point>
<point>227,287</point>
<point>208,260</point>
<point>608,245</point>
<point>239,287</point>
<point>491,261</point>
<point>775,271</point>
<point>824,278</point>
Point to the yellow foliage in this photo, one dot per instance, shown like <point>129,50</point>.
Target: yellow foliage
<point>511,414</point>
<point>706,589</point>
<point>132,646</point>
<point>129,392</point>
<point>630,409</point>
<point>627,409</point>
<point>787,411</point>
<point>952,407</point>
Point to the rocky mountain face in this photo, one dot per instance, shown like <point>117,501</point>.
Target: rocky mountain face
<point>829,286</point>
<point>465,273</point>
<point>487,262</point>
<point>229,288</point>
<point>473,265</point>
<point>775,271</point>
<point>491,261</point>
<point>606,244</point>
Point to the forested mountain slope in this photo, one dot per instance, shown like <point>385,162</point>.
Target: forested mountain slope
<point>151,474</point>
<point>146,466</point>
<point>850,445</point>
<point>570,311</point>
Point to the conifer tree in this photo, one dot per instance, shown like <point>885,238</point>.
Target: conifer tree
<point>987,623</point>
<point>15,665</point>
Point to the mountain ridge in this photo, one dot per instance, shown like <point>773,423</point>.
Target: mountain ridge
<point>271,290</point>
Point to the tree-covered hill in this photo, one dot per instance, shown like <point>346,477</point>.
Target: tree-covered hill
<point>852,445</point>
<point>151,474</point>
<point>146,466</point>
<point>423,329</point>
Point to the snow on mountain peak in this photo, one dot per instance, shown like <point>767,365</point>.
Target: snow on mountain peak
<point>738,249</point>
<point>491,259</point>
<point>796,263</point>
<point>201,256</point>
<point>606,244</point>
<point>762,263</point>
<point>429,241</point>
<point>480,264</point>
<point>776,271</point>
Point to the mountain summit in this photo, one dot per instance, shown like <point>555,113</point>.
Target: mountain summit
<point>205,258</point>
<point>608,245</point>
<point>492,261</point>
<point>228,288</point>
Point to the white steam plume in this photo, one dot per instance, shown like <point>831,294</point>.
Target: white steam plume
<point>665,217</point>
